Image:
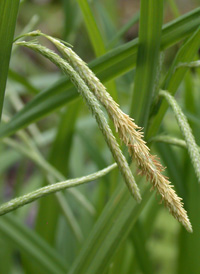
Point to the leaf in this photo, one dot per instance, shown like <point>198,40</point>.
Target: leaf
<point>8,15</point>
<point>69,13</point>
<point>31,244</point>
<point>115,223</point>
<point>174,77</point>
<point>151,19</point>
<point>142,254</point>
<point>92,28</point>
<point>95,38</point>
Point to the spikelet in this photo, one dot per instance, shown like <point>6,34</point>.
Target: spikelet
<point>186,131</point>
<point>131,135</point>
<point>94,106</point>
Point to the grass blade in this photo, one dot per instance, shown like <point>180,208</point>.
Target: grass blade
<point>69,13</point>
<point>30,244</point>
<point>95,38</point>
<point>174,77</point>
<point>93,30</point>
<point>8,15</point>
<point>151,19</point>
<point>169,140</point>
<point>122,211</point>
<point>6,254</point>
<point>138,238</point>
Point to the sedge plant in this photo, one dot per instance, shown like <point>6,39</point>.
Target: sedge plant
<point>51,212</point>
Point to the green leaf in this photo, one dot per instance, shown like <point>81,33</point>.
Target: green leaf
<point>189,244</point>
<point>8,15</point>
<point>29,243</point>
<point>95,38</point>
<point>143,257</point>
<point>151,19</point>
<point>116,221</point>
<point>6,253</point>
<point>92,28</point>
<point>174,8</point>
<point>69,13</point>
<point>175,76</point>
<point>189,261</point>
<point>103,15</point>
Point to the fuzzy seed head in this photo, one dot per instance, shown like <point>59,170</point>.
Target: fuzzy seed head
<point>130,134</point>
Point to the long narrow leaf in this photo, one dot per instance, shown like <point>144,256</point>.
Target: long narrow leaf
<point>30,244</point>
<point>8,16</point>
<point>151,20</point>
<point>95,38</point>
<point>112,228</point>
<point>93,31</point>
<point>175,76</point>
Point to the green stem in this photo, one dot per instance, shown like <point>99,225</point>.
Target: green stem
<point>169,140</point>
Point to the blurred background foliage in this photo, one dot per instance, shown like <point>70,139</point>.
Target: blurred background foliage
<point>69,139</point>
